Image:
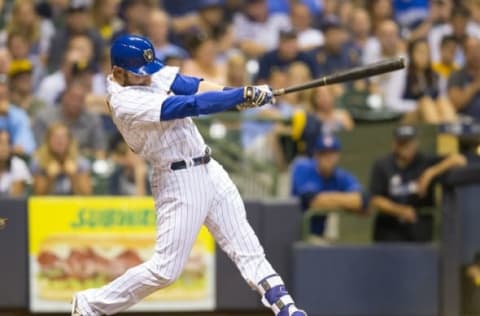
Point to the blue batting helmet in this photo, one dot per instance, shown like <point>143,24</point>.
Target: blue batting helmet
<point>135,54</point>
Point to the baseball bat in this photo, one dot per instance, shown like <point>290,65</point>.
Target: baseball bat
<point>374,69</point>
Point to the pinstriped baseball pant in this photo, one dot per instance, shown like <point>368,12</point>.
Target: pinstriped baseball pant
<point>185,200</point>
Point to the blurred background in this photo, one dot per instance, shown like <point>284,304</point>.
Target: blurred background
<point>365,194</point>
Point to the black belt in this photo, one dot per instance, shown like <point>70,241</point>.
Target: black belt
<point>182,164</point>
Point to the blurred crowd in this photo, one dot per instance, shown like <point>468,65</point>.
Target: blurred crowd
<point>55,129</point>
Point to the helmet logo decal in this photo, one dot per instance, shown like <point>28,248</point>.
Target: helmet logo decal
<point>148,55</point>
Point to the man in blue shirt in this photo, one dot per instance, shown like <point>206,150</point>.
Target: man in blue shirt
<point>15,120</point>
<point>287,53</point>
<point>320,184</point>
<point>337,53</point>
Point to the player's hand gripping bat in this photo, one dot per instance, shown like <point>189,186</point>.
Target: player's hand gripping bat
<point>374,69</point>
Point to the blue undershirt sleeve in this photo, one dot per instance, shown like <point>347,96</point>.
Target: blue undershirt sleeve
<point>181,106</point>
<point>185,85</point>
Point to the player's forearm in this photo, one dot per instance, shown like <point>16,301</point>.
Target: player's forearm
<point>176,107</point>
<point>387,206</point>
<point>351,201</point>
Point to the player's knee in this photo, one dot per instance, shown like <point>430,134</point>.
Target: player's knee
<point>160,279</point>
<point>164,274</point>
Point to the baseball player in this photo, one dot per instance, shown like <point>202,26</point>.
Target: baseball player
<point>151,105</point>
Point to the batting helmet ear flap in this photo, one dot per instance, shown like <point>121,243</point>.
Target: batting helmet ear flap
<point>135,54</point>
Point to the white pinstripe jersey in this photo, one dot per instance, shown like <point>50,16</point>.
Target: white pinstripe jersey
<point>136,113</point>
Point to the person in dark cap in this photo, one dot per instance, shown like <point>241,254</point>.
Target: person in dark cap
<point>78,22</point>
<point>320,184</point>
<point>401,186</point>
<point>287,53</point>
<point>336,53</point>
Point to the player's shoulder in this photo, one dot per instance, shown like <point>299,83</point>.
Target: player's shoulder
<point>165,76</point>
<point>125,95</point>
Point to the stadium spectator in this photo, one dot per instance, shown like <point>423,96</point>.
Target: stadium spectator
<point>179,7</point>
<point>336,53</point>
<point>237,70</point>
<point>105,18</point>
<point>474,7</point>
<point>298,73</point>
<point>174,61</point>
<point>18,46</point>
<point>320,117</point>
<point>25,22</point>
<point>97,86</point>
<point>401,185</point>
<point>19,49</point>
<point>131,171</point>
<point>204,62</point>
<point>77,23</point>
<point>135,13</point>
<point>21,87</point>
<point>446,65</point>
<point>464,85</point>
<point>329,12</point>
<point>333,119</point>
<point>5,60</point>
<point>77,64</point>
<point>258,133</point>
<point>285,6</point>
<point>301,19</point>
<point>157,32</point>
<point>380,11</point>
<point>390,86</point>
<point>345,11</point>
<point>439,13</point>
<point>85,126</point>
<point>422,87</point>
<point>287,53</point>
<point>57,168</point>
<point>53,11</point>
<point>14,173</point>
<point>321,185</point>
<point>16,122</point>
<point>255,30</point>
<point>360,29</point>
<point>212,22</point>
<point>460,26</point>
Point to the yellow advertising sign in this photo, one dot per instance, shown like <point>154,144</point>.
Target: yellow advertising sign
<point>78,243</point>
